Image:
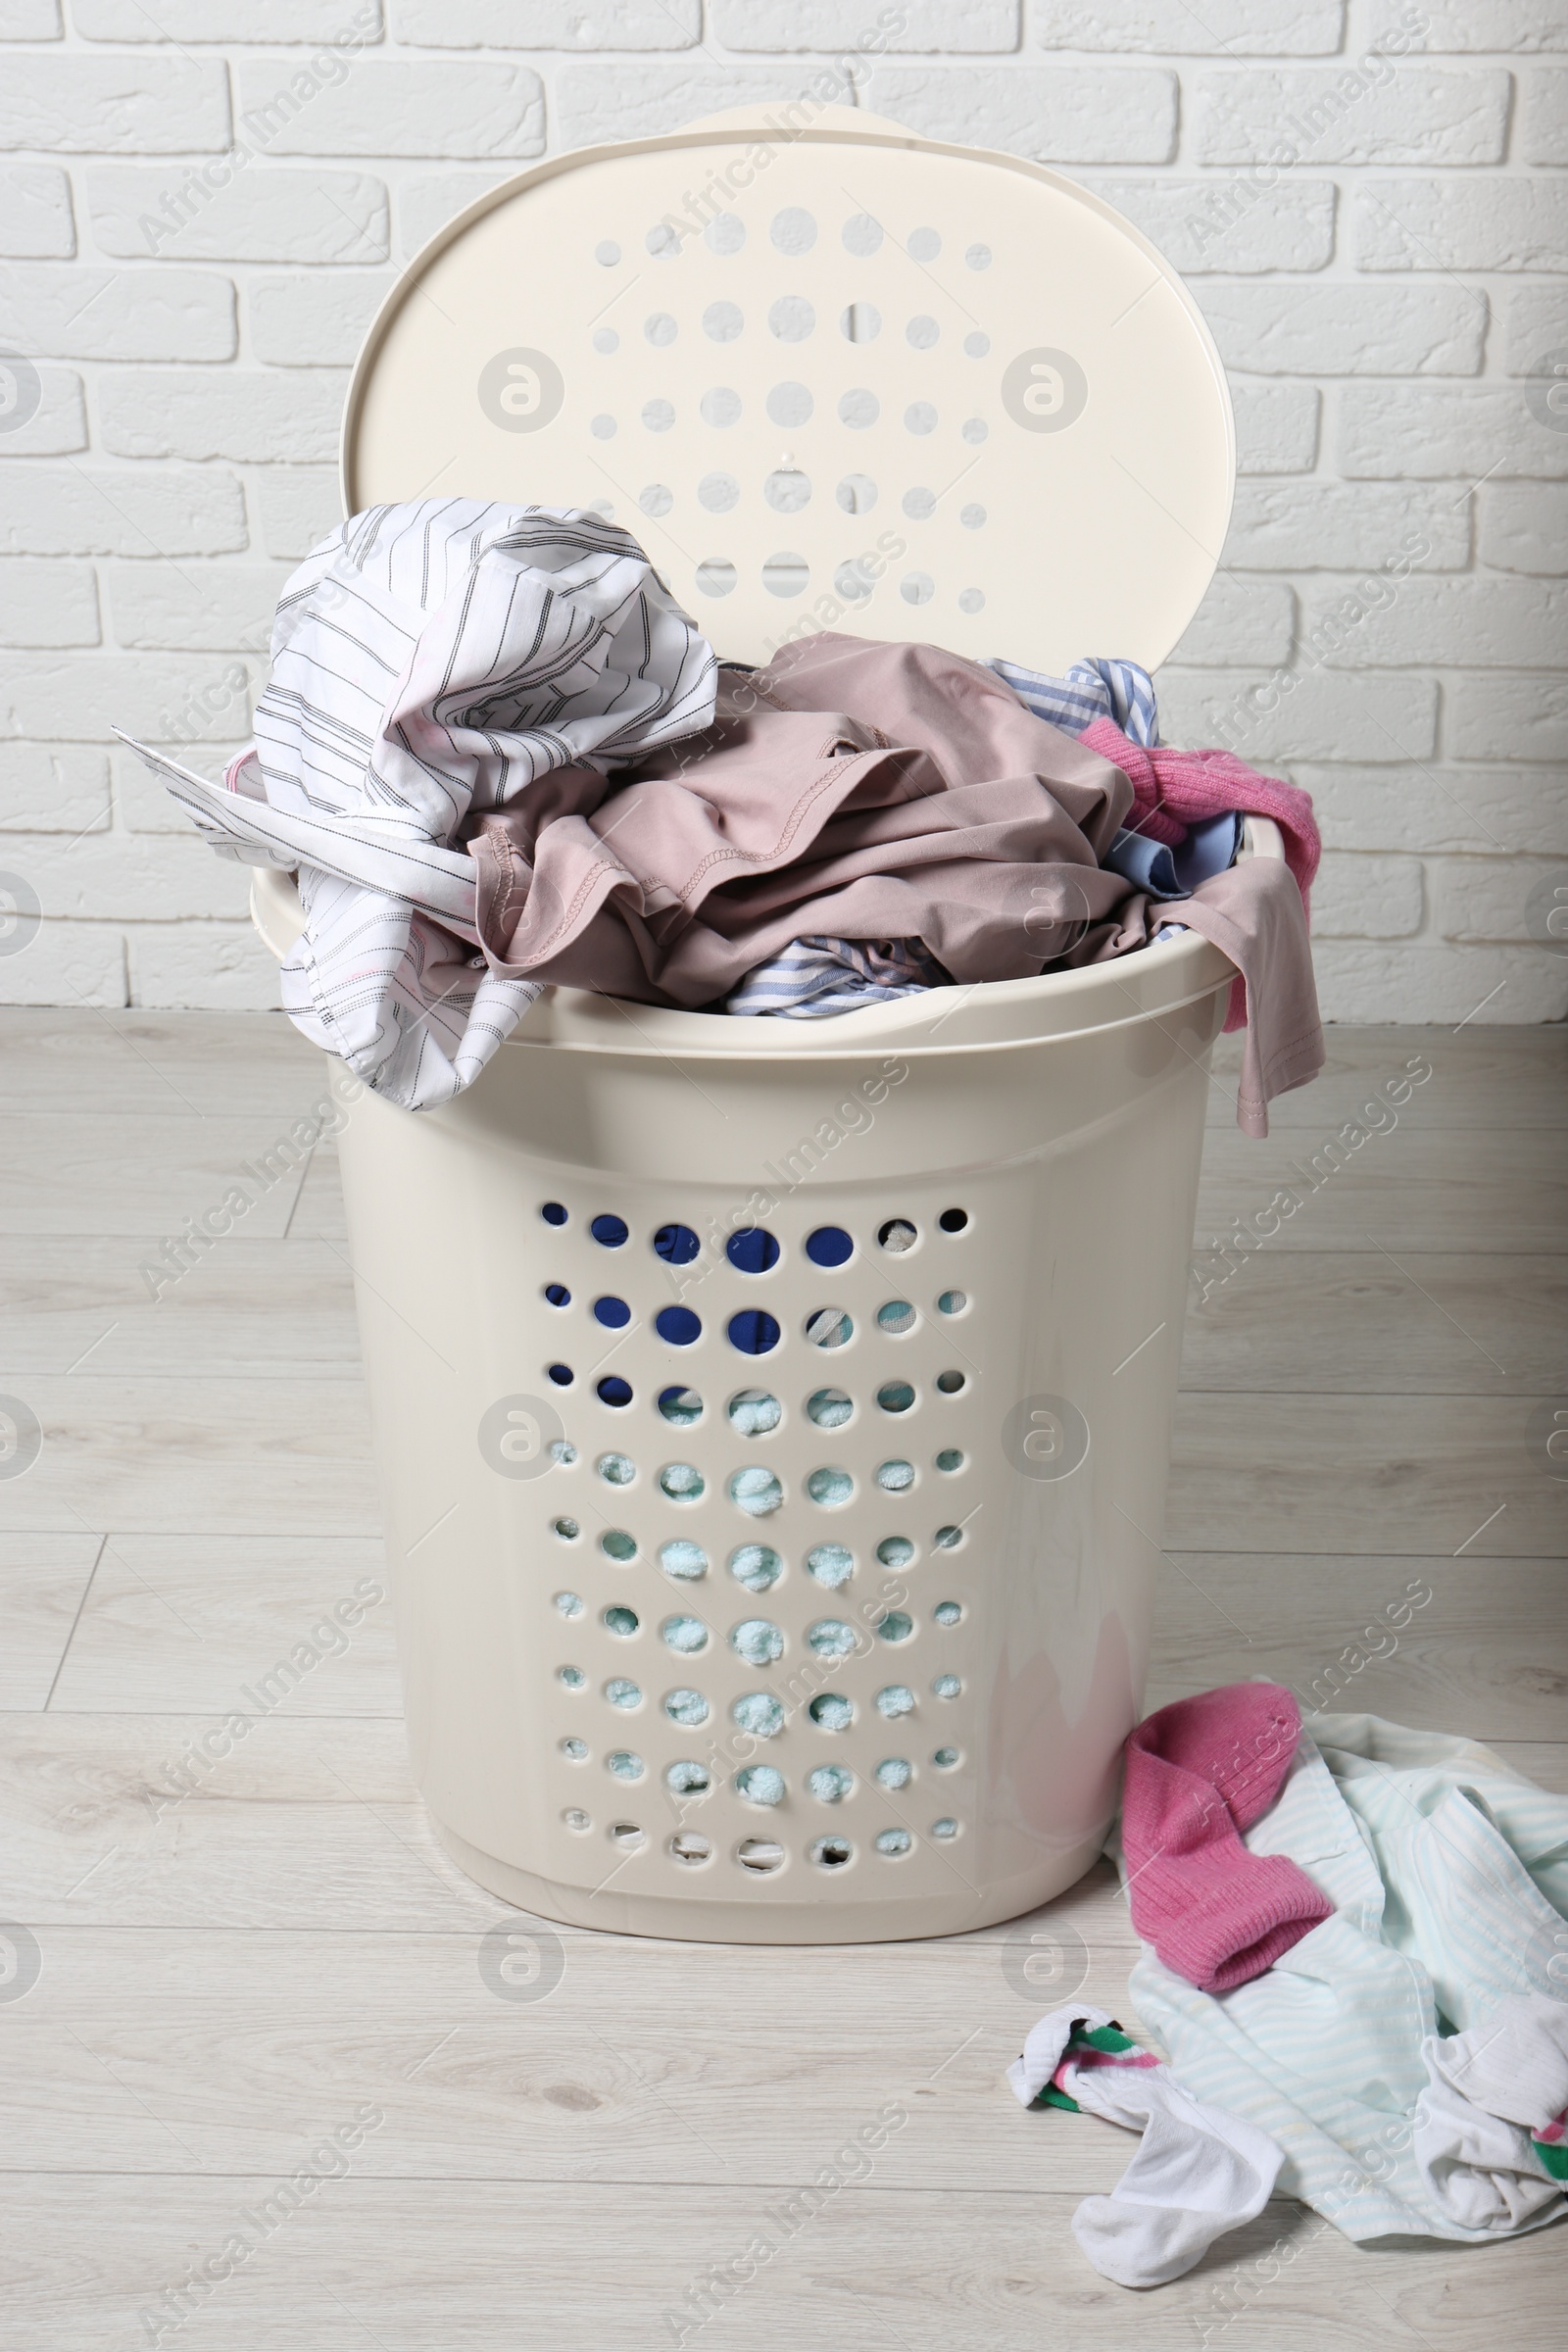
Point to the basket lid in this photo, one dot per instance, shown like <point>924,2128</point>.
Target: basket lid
<point>836,376</point>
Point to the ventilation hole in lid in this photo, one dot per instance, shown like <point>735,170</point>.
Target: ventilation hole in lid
<point>607,254</point>
<point>829,1327</point>
<point>618,1544</point>
<point>626,1836</point>
<point>921,333</point>
<point>894,1772</point>
<point>754,1412</point>
<point>615,1469</point>
<point>655,498</point>
<point>678,1326</point>
<point>830,1486</point>
<point>950,1459</point>
<point>688,1778</point>
<point>977,345</point>
<point>946,1686</point>
<point>859,408</point>
<point>553,1214</point>
<point>662,241</point>
<point>682,1482</point>
<point>684,1406</point>
<point>862,234</point>
<point>561,1375</point>
<point>719,406</point>
<point>572,1676</point>
<point>683,1559</point>
<point>830,1637</point>
<point>659,329</point>
<point>622,1692</point>
<point>562,1451</point>
<point>952,1302</point>
<point>686,1846</point>
<point>760,1713</point>
<point>831,1564</point>
<point>787,490</point>
<point>894,1477</point>
<point>760,1784</point>
<point>919,417</point>
<point>718,492</point>
<point>786,574</point>
<point>793,231</point>
<point>831,1711</point>
<point>716,575</point>
<point>684,1634</point>
<point>976,430</point>
<point>724,234</point>
<point>919,504</point>
<point>753,1332</point>
<point>603,428</point>
<point>722,322</point>
<point>607,340</point>
<point>790,405</point>
<point>751,1249</point>
<point>760,1854</point>
<point>897,1316</point>
<point>658,416</point>
<point>557,1294</point>
<point>831,1853</point>
<point>571,1604</point>
<point>946,1612</point>
<point>614,1391</point>
<point>613,1313</point>
<point>576,1819</point>
<point>688,1707</point>
<point>757,1566</point>
<point>575,1750</point>
<point>857,494</point>
<point>893,1841</point>
<point>567,1529</point>
<point>918,587</point>
<point>829,1783</point>
<point>829,1408</point>
<point>791,318</point>
<point>953,1220</point>
<point>895,1552</point>
<point>895,1699</point>
<point>755,1491</point>
<point>758,1640</point>
<point>624,1764</point>
<point>972,517</point>
<point>949,1382</point>
<point>978,257</point>
<point>897,1626</point>
<point>948,1538</point>
<point>971,600</point>
<point>860,322</point>
<point>922,245</point>
<point>895,1396</point>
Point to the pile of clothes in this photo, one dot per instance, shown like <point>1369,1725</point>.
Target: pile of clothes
<point>1355,1959</point>
<point>497,755</point>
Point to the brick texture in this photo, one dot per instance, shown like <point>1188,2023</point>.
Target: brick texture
<point>203,203</point>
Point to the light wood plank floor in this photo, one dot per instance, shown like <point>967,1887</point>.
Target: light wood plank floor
<point>229,1976</point>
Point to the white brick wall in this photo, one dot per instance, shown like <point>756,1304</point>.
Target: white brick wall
<point>1380,244</point>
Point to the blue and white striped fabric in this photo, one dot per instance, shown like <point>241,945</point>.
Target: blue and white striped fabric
<point>1450,1877</point>
<point>815,977</point>
<point>1090,690</point>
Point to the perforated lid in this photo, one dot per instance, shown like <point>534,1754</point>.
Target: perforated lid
<point>841,377</point>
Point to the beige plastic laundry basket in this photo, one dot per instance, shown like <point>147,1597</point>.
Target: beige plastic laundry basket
<point>773,1416</point>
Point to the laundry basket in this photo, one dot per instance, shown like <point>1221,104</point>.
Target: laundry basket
<point>772,1417</point>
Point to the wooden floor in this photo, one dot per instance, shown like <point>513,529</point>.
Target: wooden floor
<point>230,1974</point>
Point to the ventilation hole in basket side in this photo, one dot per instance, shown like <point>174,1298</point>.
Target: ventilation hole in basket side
<point>953,1220</point>
<point>572,1678</point>
<point>686,1708</point>
<point>684,1634</point>
<point>859,408</point>
<point>948,1538</point>
<point>716,575</point>
<point>682,1406</point>
<point>576,1819</point>
<point>918,587</point>
<point>677,1245</point>
<point>760,1854</point>
<point>627,1836</point>
<point>851,582</point>
<point>946,1827</point>
<point>857,494</point>
<point>758,1640</point>
<point>751,1249</point>
<point>895,1552</point>
<point>624,1765</point>
<point>567,1529</point>
<point>722,322</point>
<point>952,1303</point>
<point>829,1245</point>
<point>894,1772</point>
<point>724,234</point>
<point>718,492</point>
<point>755,1491</point>
<point>831,1564</point>
<point>972,517</point>
<point>563,1452</point>
<point>895,1396</point>
<point>830,1637</point>
<point>971,600</point>
<point>919,504</point>
<point>609,1231</point>
<point>949,1382</point>
<point>945,1758</point>
<point>860,322</point>
<point>613,1313</point>
<point>918,417</point>
<point>571,1604</point>
<point>557,1294</point>
<point>561,1374</point>
<point>760,1713</point>
<point>861,235</point>
<point>831,1853</point>
<point>686,1846</point>
<point>615,1469</point>
<point>660,329</point>
<point>754,1412</point>
<point>688,1778</point>
<point>682,1482</point>
<point>829,1408</point>
<point>760,1784</point>
<point>831,1711</point>
<point>603,427</point>
<point>683,1560</point>
<point>829,1783</point>
<point>895,1477</point>
<point>662,241</point>
<point>789,405</point>
<point>622,1692</point>
<point>897,1626</point>
<point>617,1544</point>
<point>787,490</point>
<point>753,1332</point>
<point>895,1699</point>
<point>607,254</point>
<point>946,1686</point>
<point>621,1620</point>
<point>948,1612</point>
<point>786,574</point>
<point>720,406</point>
<point>922,245</point>
<point>678,1326</point>
<point>756,1566</point>
<point>791,318</point>
<point>830,1486</point>
<point>576,1751</point>
<point>921,333</point>
<point>896,1317</point>
<point>655,498</point>
<point>829,1327</point>
<point>893,1841</point>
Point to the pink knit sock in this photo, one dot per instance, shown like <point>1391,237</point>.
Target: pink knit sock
<point>1197,1772</point>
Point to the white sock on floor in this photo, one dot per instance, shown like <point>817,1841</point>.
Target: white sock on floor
<point>1486,2091</point>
